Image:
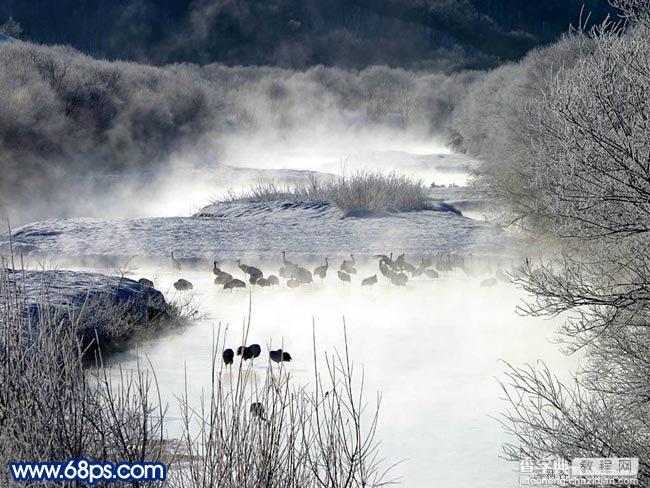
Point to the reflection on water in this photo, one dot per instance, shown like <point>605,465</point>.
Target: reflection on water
<point>431,348</point>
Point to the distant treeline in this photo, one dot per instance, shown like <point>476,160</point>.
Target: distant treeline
<point>445,34</point>
<point>63,113</point>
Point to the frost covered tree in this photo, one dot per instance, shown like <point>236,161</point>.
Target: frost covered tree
<point>589,175</point>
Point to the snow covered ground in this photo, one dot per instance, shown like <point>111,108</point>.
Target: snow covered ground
<point>64,294</point>
<point>231,230</point>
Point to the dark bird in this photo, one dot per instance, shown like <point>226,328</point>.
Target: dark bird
<point>321,271</point>
<point>176,264</point>
<point>252,271</point>
<point>228,356</point>
<point>304,276</point>
<point>348,266</point>
<point>399,262</point>
<point>183,285</point>
<point>263,282</point>
<point>215,269</point>
<point>344,276</point>
<point>255,349</point>
<point>257,410</point>
<point>385,269</point>
<point>245,352</point>
<point>289,267</point>
<point>399,279</point>
<point>280,356</point>
<point>252,279</point>
<point>145,283</point>
<point>234,283</point>
<point>273,280</point>
<point>388,261</point>
<point>222,278</point>
<point>371,280</point>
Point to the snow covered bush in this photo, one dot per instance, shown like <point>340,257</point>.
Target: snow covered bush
<point>358,190</point>
<point>491,123</point>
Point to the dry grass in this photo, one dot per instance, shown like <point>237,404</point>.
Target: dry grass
<point>362,190</point>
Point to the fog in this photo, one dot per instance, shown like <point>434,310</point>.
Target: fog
<point>123,143</point>
<point>432,349</point>
<point>71,126</point>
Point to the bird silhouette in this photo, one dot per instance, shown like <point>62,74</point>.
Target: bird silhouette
<point>289,267</point>
<point>255,349</point>
<point>304,276</point>
<point>252,271</point>
<point>387,260</point>
<point>183,285</point>
<point>280,356</point>
<point>371,280</point>
<point>222,278</point>
<point>348,266</point>
<point>263,282</point>
<point>234,283</point>
<point>215,268</point>
<point>257,410</point>
<point>321,271</point>
<point>228,356</point>
<point>273,280</point>
<point>385,270</point>
<point>245,352</point>
<point>343,276</point>
<point>293,283</point>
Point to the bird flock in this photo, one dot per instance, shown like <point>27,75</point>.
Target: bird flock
<point>253,351</point>
<point>396,271</point>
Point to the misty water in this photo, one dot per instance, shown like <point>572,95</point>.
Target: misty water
<point>432,349</point>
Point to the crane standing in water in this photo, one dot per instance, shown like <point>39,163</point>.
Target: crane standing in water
<point>321,271</point>
<point>348,266</point>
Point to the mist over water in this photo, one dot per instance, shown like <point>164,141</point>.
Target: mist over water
<point>432,350</point>
<point>187,181</point>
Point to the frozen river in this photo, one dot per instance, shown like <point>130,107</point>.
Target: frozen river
<point>432,349</point>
